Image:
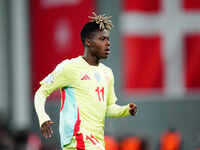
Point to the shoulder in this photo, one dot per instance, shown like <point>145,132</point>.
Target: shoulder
<point>67,63</point>
<point>106,68</point>
<point>108,72</point>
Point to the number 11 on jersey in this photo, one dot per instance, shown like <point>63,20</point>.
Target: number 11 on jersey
<point>100,93</point>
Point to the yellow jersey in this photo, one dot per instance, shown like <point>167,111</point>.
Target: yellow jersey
<point>87,98</point>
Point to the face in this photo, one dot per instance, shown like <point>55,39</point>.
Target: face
<point>99,44</point>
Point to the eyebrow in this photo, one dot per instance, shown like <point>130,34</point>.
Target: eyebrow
<point>107,37</point>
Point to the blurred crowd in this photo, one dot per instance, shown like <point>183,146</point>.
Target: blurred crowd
<point>26,140</point>
<point>21,140</point>
<point>169,140</point>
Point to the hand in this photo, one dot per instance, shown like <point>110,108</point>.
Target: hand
<point>132,109</point>
<point>46,129</point>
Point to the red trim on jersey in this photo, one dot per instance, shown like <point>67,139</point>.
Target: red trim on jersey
<point>80,142</point>
<point>62,99</point>
<point>89,138</point>
<point>94,138</point>
<point>78,136</point>
<point>77,124</point>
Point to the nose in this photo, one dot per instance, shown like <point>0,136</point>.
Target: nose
<point>107,42</point>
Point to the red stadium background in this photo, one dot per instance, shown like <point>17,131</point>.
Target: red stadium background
<point>55,33</point>
<point>150,61</point>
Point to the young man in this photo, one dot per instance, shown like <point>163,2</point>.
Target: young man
<point>87,89</point>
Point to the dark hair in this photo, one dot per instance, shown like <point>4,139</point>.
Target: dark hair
<point>97,23</point>
<point>88,30</point>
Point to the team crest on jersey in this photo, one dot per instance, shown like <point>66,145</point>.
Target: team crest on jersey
<point>49,79</point>
<point>97,77</point>
<point>107,77</point>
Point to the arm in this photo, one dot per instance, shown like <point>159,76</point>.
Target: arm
<point>39,101</point>
<point>44,119</point>
<point>55,80</point>
<point>114,110</point>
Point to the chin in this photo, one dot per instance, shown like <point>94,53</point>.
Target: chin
<point>104,57</point>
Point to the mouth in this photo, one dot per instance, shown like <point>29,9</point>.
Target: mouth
<point>107,50</point>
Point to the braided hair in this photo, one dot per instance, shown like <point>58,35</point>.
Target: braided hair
<point>97,23</point>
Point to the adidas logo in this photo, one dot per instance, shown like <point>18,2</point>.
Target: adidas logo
<point>85,77</point>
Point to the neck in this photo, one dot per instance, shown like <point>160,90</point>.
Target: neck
<point>90,59</point>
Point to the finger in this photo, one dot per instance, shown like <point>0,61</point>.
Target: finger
<point>132,105</point>
<point>49,132</point>
<point>133,110</point>
<point>51,122</point>
<point>132,113</point>
<point>44,131</point>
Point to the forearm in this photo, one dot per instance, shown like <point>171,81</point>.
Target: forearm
<point>115,110</point>
<point>39,103</point>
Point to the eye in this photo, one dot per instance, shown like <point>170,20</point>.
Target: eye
<point>102,38</point>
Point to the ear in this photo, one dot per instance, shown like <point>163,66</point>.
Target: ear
<point>87,42</point>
